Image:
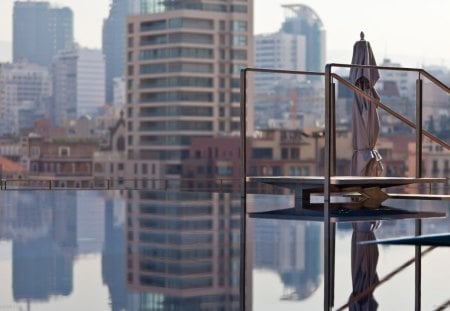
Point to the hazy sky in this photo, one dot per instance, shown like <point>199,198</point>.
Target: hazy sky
<point>411,32</point>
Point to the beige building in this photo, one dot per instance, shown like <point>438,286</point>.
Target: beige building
<point>182,76</point>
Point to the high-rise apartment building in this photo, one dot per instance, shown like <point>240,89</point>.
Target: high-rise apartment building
<point>183,66</point>
<point>303,20</point>
<point>78,83</point>
<point>40,31</point>
<point>113,46</point>
<point>25,91</point>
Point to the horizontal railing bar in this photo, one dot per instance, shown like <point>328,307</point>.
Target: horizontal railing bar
<point>311,73</point>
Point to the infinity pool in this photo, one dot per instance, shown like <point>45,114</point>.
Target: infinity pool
<point>150,250</point>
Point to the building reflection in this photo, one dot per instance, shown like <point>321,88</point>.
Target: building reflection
<point>183,250</point>
<point>294,250</point>
<point>113,253</point>
<point>43,234</point>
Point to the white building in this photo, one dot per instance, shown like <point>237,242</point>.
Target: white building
<point>25,91</point>
<point>78,83</point>
<point>279,51</point>
<point>90,82</point>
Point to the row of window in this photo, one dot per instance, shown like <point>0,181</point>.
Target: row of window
<point>175,268</point>
<point>176,67</point>
<point>176,52</point>
<point>176,82</point>
<point>166,282</point>
<point>158,6</point>
<point>176,111</point>
<point>176,126</point>
<point>176,224</point>
<point>175,238</point>
<point>195,38</point>
<point>147,140</point>
<point>189,67</point>
<point>177,96</point>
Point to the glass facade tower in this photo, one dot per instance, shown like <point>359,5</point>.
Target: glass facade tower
<point>302,20</point>
<point>40,31</point>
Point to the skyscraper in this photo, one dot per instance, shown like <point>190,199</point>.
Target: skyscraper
<point>113,46</point>
<point>183,65</point>
<point>302,20</point>
<point>40,31</point>
<point>78,83</point>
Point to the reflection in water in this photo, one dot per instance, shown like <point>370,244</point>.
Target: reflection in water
<point>364,262</point>
<point>169,251</point>
<point>43,243</point>
<point>113,258</point>
<point>293,249</point>
<point>183,250</point>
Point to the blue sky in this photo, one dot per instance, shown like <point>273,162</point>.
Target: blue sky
<point>410,32</point>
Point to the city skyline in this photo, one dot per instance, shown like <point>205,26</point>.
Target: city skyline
<point>393,33</point>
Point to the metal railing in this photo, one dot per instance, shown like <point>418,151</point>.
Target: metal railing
<point>330,156</point>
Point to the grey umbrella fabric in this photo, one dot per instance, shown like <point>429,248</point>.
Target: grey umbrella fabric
<point>364,260</point>
<point>366,161</point>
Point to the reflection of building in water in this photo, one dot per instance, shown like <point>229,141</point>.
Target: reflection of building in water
<point>42,226</point>
<point>90,221</point>
<point>183,250</point>
<point>113,253</point>
<point>293,250</point>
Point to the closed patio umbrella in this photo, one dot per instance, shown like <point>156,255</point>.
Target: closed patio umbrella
<point>366,161</point>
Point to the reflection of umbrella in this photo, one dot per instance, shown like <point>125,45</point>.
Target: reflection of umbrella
<point>366,161</point>
<point>364,262</point>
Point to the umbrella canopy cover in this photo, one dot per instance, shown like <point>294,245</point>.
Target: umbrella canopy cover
<point>366,161</point>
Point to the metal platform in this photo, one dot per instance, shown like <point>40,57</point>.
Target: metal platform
<point>365,191</point>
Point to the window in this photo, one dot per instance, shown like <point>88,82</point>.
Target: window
<point>64,151</point>
<point>238,40</point>
<point>98,168</point>
<point>238,26</point>
<point>262,153</point>
<point>144,168</point>
<point>284,153</point>
<point>295,153</point>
